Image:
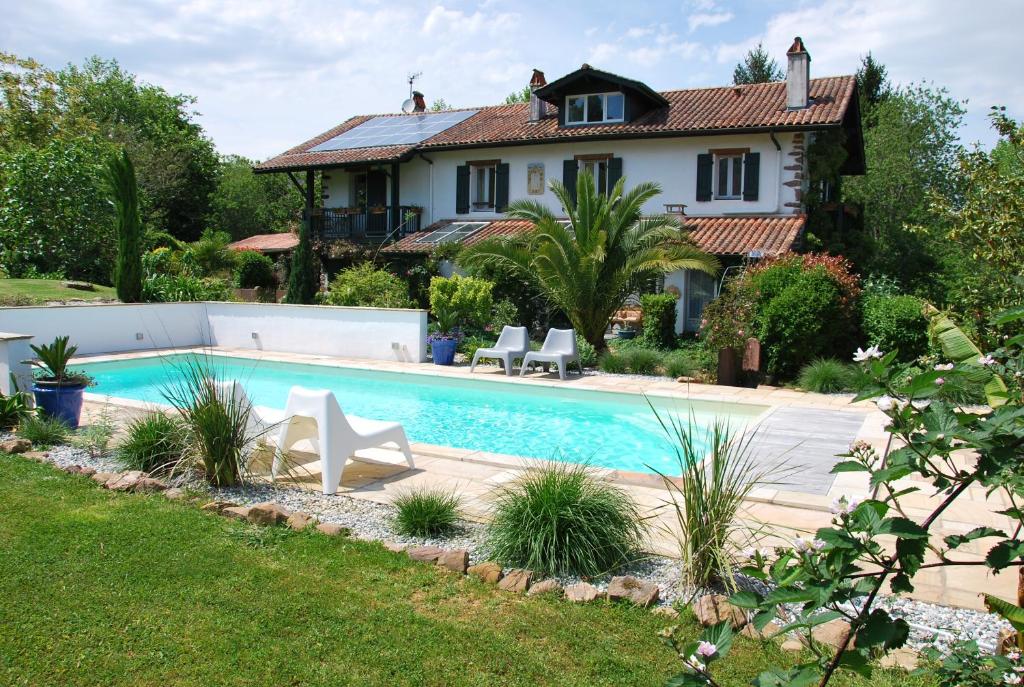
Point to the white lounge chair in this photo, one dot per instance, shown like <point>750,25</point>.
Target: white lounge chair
<point>314,415</point>
<point>513,344</point>
<point>559,347</point>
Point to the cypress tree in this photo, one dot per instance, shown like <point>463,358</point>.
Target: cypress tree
<point>124,190</point>
<point>302,282</point>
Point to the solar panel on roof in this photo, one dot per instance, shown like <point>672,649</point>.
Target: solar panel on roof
<point>398,130</point>
<point>454,232</point>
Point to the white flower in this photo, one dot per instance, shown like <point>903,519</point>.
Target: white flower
<point>920,404</point>
<point>706,649</point>
<point>986,360</point>
<point>1013,656</point>
<point>885,403</point>
<point>1012,678</point>
<point>940,381</point>
<point>945,368</point>
<point>862,355</point>
<point>844,505</point>
<point>805,545</point>
<point>695,662</point>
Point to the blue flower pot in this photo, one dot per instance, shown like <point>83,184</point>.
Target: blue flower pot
<point>63,403</point>
<point>443,351</point>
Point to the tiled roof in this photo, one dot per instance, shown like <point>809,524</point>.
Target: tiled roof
<point>772,235</point>
<point>267,243</point>
<point>690,112</point>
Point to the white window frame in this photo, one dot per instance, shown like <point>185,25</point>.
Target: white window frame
<point>596,163</point>
<point>490,174</point>
<point>586,106</point>
<point>731,171</point>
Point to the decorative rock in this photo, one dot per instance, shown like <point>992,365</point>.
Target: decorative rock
<point>218,506</point>
<point>489,572</point>
<point>769,631</point>
<point>792,644</point>
<point>37,456</point>
<point>125,481</point>
<point>548,586</point>
<point>714,608</point>
<point>79,285</point>
<point>395,547</point>
<point>175,494</point>
<point>72,469</point>
<point>332,529</point>
<point>517,581</point>
<point>236,512</point>
<point>581,592</point>
<point>630,588</point>
<point>900,658</point>
<point>148,484</point>
<point>456,561</point>
<point>15,446</point>
<point>103,477</point>
<point>666,611</point>
<point>87,472</point>
<point>425,554</point>
<point>300,521</point>
<point>268,513</point>
<point>832,633</point>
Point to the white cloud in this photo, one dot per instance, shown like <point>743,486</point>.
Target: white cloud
<point>695,21</point>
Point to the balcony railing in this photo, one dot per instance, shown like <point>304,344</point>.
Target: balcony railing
<point>362,224</point>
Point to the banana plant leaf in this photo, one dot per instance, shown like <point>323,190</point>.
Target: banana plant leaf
<point>957,347</point>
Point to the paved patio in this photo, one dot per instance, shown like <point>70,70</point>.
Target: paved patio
<point>801,431</point>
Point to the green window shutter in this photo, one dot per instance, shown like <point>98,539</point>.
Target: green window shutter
<point>501,188</point>
<point>751,175</point>
<point>614,172</point>
<point>569,170</point>
<point>462,189</point>
<point>705,166</point>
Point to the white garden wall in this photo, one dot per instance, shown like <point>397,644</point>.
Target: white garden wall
<point>376,333</point>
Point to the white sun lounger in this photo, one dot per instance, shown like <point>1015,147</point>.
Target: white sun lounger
<point>559,347</point>
<point>513,344</point>
<point>314,415</point>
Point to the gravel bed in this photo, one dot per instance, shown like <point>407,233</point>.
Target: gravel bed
<point>931,624</point>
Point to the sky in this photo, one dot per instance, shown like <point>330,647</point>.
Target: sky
<point>269,74</point>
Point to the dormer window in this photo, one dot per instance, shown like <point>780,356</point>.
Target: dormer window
<point>594,108</point>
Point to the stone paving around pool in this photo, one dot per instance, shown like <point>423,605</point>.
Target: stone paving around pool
<point>800,431</point>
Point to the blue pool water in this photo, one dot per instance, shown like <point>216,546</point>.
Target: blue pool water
<point>610,430</point>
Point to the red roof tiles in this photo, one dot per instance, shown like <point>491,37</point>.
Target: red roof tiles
<point>772,235</point>
<point>267,243</point>
<point>690,112</point>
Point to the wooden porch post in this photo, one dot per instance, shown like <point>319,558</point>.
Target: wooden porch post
<point>396,219</point>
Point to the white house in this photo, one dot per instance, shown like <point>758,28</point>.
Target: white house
<point>733,156</point>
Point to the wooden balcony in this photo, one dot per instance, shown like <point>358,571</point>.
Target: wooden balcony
<point>363,225</point>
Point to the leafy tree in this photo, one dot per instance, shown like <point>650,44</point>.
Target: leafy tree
<point>912,153</point>
<point>522,96</point>
<point>589,268</point>
<point>210,255</point>
<point>243,203</point>
<point>120,176</point>
<point>55,217</point>
<point>757,67</point>
<point>440,105</point>
<point>302,277</point>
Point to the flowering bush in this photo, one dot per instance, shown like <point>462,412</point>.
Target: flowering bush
<point>839,572</point>
<point>728,320</point>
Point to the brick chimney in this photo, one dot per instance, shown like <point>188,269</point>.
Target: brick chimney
<point>421,104</point>
<point>798,75</point>
<point>538,108</point>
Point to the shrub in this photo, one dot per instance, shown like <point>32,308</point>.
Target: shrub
<point>826,376</point>
<point>641,361</point>
<point>303,280</point>
<point>896,323</point>
<point>588,354</point>
<point>13,409</point>
<point>176,288</point>
<point>363,285</point>
<point>254,269</point>
<point>506,314</point>
<point>728,320</point>
<point>612,363</point>
<point>562,520</point>
<point>680,364</point>
<point>210,254</point>
<point>469,344</point>
<point>95,437</point>
<point>154,443</point>
<point>659,320</point>
<point>120,177</point>
<point>460,301</point>
<point>426,512</point>
<point>44,431</point>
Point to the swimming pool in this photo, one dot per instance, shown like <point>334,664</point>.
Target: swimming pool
<point>605,429</point>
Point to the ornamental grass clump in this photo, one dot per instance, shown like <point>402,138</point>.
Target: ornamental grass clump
<point>426,512</point>
<point>826,376</point>
<point>154,444</point>
<point>44,431</point>
<point>561,519</point>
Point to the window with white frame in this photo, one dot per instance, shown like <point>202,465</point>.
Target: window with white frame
<point>728,176</point>
<point>594,108</point>
<point>482,177</point>
<point>597,167</point>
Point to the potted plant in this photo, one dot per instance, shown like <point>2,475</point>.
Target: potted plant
<point>57,390</point>
<point>455,302</point>
<point>725,327</point>
<point>626,332</point>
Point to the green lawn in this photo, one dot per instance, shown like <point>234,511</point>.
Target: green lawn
<point>101,588</point>
<point>33,291</point>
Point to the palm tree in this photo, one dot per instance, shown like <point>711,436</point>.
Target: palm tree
<point>589,267</point>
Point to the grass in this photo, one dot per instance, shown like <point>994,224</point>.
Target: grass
<point>826,376</point>
<point>43,431</point>
<point>562,520</point>
<point>36,291</point>
<point>154,443</point>
<point>426,512</point>
<point>121,589</point>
